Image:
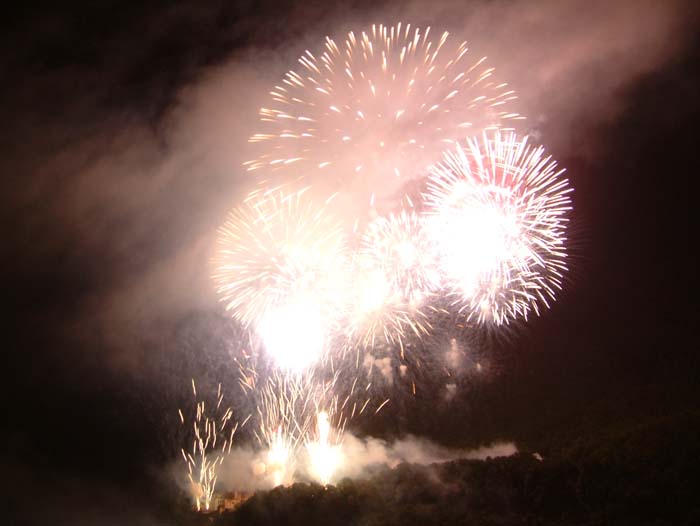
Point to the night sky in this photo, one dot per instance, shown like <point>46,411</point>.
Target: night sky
<point>123,132</point>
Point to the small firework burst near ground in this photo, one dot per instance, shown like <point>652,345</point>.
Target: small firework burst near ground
<point>497,209</point>
<point>323,450</point>
<point>288,409</point>
<point>370,112</point>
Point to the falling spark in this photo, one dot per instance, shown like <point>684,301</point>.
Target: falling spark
<point>381,406</point>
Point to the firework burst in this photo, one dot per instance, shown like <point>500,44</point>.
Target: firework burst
<point>377,314</point>
<point>400,249</point>
<point>497,209</point>
<point>368,113</point>
<point>280,270</point>
<point>395,272</point>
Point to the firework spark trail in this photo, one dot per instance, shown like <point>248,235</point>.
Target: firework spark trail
<point>497,209</point>
<point>378,317</point>
<point>280,268</point>
<point>375,110</point>
<point>205,458</point>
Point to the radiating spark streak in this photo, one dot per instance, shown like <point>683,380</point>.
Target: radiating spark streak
<point>364,406</point>
<point>381,406</point>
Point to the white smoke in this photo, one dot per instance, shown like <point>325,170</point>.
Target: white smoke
<point>360,454</point>
<point>243,469</point>
<point>383,365</point>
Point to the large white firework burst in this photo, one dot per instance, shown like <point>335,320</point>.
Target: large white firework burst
<point>498,213</point>
<point>280,269</point>
<point>375,110</point>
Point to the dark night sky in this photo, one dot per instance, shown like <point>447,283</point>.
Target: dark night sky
<point>121,127</point>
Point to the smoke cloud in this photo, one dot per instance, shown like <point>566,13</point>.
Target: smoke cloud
<point>360,457</point>
<point>361,454</point>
